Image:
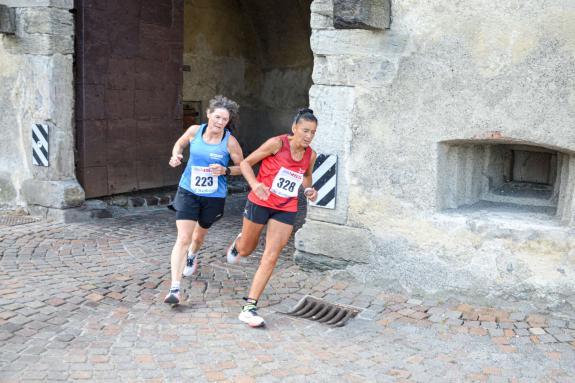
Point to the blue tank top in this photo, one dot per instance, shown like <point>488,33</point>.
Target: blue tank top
<point>196,177</point>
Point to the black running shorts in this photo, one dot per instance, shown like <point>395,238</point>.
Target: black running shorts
<point>262,214</point>
<point>192,207</point>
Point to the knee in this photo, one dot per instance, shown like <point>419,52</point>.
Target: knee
<point>184,239</point>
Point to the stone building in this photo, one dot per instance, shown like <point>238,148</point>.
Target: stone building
<point>117,82</point>
<point>451,120</point>
<point>455,135</point>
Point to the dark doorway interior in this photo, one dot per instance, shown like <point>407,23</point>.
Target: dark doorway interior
<point>146,69</point>
<point>256,52</point>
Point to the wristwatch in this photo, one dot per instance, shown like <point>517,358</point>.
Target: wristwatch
<point>228,171</point>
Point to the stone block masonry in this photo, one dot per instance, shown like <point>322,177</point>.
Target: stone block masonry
<point>7,22</point>
<point>36,87</point>
<point>361,14</point>
<point>453,130</point>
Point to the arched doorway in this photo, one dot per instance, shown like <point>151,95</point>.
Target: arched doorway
<point>256,52</point>
<point>142,66</point>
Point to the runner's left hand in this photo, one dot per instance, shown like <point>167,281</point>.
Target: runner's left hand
<point>261,191</point>
<point>311,194</point>
<point>217,169</point>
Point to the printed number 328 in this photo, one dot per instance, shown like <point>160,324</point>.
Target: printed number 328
<point>285,184</point>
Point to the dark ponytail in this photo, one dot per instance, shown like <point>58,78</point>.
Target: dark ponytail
<point>304,114</point>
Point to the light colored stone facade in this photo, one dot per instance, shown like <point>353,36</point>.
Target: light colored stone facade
<point>416,114</point>
<point>36,86</point>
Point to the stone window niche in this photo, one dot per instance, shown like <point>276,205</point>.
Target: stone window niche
<point>523,177</point>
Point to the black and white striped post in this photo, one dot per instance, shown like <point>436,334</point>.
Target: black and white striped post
<point>324,180</point>
<point>40,145</point>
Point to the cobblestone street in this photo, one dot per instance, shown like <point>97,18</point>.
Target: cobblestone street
<point>84,302</point>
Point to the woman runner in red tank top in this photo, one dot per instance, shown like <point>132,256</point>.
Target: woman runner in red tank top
<point>286,165</point>
<point>282,175</point>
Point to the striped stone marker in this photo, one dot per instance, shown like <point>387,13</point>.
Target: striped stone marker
<point>40,145</point>
<point>324,180</point>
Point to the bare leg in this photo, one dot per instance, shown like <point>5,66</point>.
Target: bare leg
<point>178,257</point>
<point>247,243</point>
<point>277,237</point>
<point>198,238</point>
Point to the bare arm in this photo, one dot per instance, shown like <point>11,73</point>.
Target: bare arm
<point>307,183</point>
<point>268,148</point>
<point>236,155</point>
<point>181,144</point>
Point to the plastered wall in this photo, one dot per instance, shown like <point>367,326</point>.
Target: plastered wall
<point>387,99</point>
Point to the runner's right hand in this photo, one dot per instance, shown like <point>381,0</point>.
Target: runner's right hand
<point>176,160</point>
<point>261,191</point>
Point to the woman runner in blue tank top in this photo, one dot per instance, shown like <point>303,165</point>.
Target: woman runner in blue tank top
<point>202,190</point>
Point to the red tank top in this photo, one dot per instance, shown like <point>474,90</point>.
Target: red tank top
<point>283,175</point>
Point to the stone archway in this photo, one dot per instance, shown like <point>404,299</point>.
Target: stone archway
<point>255,52</point>
<point>142,66</point>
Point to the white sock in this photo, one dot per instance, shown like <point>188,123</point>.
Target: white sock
<point>190,254</point>
<point>175,286</point>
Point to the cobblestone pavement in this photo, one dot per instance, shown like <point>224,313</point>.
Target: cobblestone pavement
<point>84,302</point>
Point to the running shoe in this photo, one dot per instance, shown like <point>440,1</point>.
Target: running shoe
<point>173,297</point>
<point>232,253</point>
<point>191,265</point>
<point>250,316</point>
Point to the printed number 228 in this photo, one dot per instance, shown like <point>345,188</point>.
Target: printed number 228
<point>285,184</point>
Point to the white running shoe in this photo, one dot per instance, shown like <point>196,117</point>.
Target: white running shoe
<point>251,317</point>
<point>173,297</point>
<point>232,254</point>
<point>191,265</point>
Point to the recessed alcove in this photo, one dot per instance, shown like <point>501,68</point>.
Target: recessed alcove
<point>517,176</point>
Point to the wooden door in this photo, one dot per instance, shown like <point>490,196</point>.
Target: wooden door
<point>128,81</point>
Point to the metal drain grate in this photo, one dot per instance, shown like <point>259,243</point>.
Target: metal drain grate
<point>316,309</point>
<point>13,220</point>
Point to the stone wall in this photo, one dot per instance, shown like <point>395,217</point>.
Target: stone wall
<point>389,99</point>
<point>36,86</point>
<point>255,52</point>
